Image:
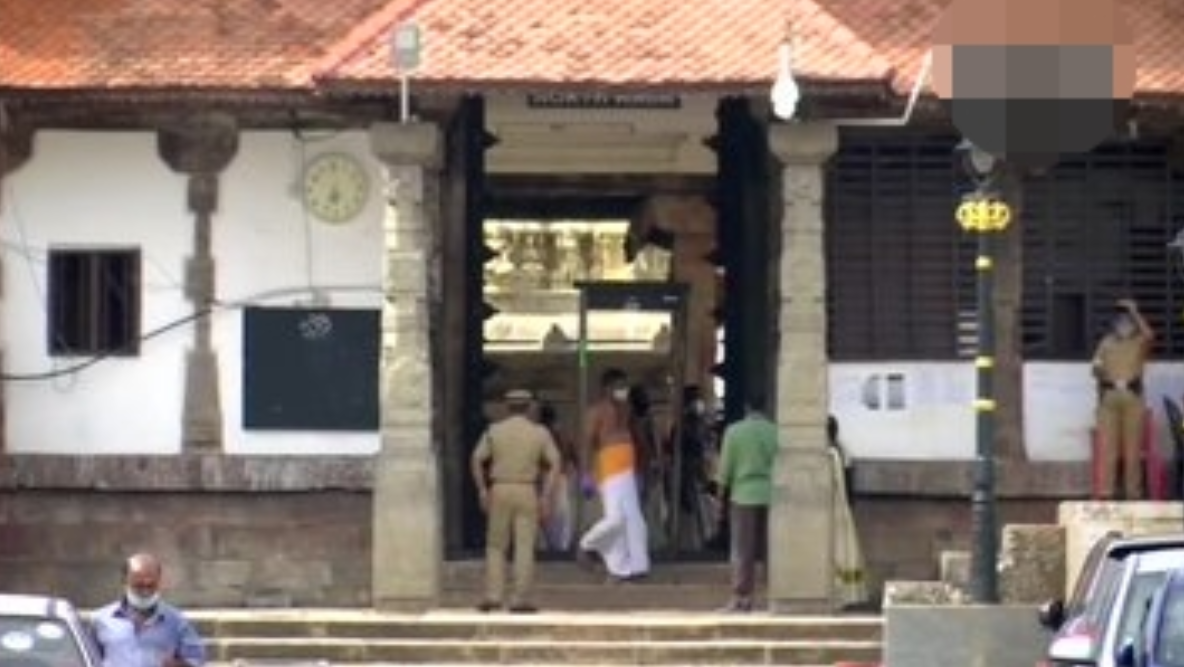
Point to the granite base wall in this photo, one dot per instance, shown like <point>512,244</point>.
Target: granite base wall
<point>313,548</point>
<point>220,549</point>
<point>255,531</point>
<point>903,538</point>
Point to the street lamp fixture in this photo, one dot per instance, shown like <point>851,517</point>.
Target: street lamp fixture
<point>986,215</point>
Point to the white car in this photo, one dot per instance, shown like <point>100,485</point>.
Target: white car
<point>43,631</point>
<point>1113,614</point>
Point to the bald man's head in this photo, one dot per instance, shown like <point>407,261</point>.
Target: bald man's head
<point>141,580</point>
<point>141,563</point>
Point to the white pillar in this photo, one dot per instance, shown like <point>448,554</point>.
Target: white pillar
<point>801,525</point>
<point>407,540</point>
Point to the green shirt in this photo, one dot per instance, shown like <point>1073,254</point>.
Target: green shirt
<point>746,464</point>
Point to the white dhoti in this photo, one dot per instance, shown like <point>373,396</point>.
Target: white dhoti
<point>620,536</point>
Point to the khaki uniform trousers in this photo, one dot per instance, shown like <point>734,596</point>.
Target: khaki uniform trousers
<point>1120,428</point>
<point>513,519</point>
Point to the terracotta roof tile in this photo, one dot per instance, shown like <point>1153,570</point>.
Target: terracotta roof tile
<point>638,42</point>
<point>656,42</point>
<point>901,31</point>
<point>258,44</point>
<point>152,43</point>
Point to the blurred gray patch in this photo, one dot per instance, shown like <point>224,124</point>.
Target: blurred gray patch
<point>1029,104</point>
<point>1034,132</point>
<point>1033,72</point>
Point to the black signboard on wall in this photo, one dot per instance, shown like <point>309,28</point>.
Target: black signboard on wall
<point>311,369</point>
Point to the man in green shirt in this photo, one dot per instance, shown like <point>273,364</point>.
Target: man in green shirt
<point>745,479</point>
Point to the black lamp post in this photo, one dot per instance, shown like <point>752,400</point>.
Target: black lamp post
<point>984,213</point>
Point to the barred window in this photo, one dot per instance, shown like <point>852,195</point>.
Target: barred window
<point>900,272</point>
<point>1096,230</point>
<point>94,302</point>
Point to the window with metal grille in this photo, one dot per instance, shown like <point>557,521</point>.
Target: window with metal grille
<point>1096,230</point>
<point>94,302</point>
<point>900,272</point>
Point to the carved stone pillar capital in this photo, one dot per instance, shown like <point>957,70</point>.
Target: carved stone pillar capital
<point>803,143</point>
<point>407,144</point>
<point>203,143</point>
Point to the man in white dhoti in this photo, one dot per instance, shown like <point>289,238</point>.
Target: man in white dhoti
<point>620,538</point>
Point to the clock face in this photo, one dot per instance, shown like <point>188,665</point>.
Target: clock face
<point>336,187</point>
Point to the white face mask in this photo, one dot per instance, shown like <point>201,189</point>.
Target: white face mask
<point>621,394</point>
<point>141,602</point>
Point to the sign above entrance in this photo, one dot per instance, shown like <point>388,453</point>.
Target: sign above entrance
<point>603,101</point>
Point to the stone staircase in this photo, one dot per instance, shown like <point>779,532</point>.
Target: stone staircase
<point>562,586</point>
<point>666,620</point>
<point>251,638</point>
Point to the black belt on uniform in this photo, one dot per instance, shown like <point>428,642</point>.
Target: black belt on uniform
<point>513,481</point>
<point>1135,386</point>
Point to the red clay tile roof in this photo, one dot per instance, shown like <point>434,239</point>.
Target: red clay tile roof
<point>622,43</point>
<point>676,44</point>
<point>901,31</point>
<point>106,44</point>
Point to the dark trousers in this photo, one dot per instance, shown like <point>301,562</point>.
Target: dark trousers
<point>749,524</point>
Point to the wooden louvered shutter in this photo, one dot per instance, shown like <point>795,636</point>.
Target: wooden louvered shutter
<point>900,272</point>
<point>1096,230</point>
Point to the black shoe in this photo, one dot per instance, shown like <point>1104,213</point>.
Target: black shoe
<point>487,606</point>
<point>523,609</point>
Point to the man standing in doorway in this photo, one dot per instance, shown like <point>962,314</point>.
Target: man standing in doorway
<point>515,449</point>
<point>745,480</point>
<point>1118,367</point>
<point>620,538</point>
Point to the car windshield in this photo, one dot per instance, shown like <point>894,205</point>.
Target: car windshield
<point>1142,589</point>
<point>1170,650</point>
<point>37,642</point>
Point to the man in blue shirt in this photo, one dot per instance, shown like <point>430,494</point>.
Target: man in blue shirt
<point>139,630</point>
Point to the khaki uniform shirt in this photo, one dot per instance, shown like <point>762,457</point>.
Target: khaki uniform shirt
<point>1121,359</point>
<point>516,447</point>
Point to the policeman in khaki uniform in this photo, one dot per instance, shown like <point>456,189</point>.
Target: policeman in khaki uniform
<point>515,449</point>
<point>1118,367</point>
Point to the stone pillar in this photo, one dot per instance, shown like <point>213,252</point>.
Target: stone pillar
<point>408,536</point>
<point>16,146</point>
<point>801,524</point>
<point>200,147</point>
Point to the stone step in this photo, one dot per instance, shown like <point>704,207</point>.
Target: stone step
<point>325,663</point>
<point>699,586</point>
<point>468,573</point>
<point>462,625</point>
<point>548,652</point>
<point>300,638</point>
<point>592,597</point>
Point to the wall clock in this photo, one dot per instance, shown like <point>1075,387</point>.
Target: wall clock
<point>336,187</point>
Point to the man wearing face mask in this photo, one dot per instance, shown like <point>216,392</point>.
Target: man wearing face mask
<point>620,538</point>
<point>1118,367</point>
<point>140,630</point>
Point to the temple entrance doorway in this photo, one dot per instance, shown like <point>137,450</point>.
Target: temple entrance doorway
<point>569,299</point>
